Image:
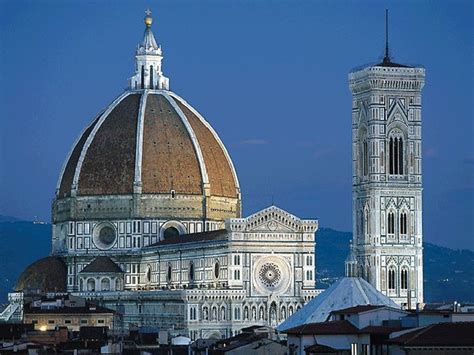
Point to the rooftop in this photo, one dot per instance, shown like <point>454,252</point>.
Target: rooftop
<point>440,334</point>
<point>334,327</point>
<point>220,234</point>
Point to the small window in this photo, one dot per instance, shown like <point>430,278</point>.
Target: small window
<point>83,321</point>
<point>67,321</point>
<point>216,270</point>
<point>191,271</point>
<point>100,321</point>
<point>50,321</point>
<point>173,193</point>
<point>169,275</point>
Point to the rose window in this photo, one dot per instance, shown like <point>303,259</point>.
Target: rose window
<point>269,275</point>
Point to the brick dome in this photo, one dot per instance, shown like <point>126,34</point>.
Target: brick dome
<point>44,275</point>
<point>149,142</point>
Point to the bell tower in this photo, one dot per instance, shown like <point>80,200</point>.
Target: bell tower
<point>387,177</point>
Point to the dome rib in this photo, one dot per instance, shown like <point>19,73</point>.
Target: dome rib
<point>66,176</point>
<point>137,181</point>
<point>192,135</point>
<point>213,176</point>
<point>78,173</point>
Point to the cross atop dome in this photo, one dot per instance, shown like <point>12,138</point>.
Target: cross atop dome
<point>148,74</point>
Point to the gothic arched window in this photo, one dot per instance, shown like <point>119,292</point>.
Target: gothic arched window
<point>403,223</point>
<point>391,279</point>
<point>404,279</point>
<point>391,223</point>
<point>366,222</point>
<point>365,166</point>
<point>395,153</point>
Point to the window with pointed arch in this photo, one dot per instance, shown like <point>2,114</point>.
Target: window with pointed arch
<point>365,157</point>
<point>391,278</point>
<point>366,222</point>
<point>403,224</point>
<point>404,279</point>
<point>391,224</point>
<point>396,153</point>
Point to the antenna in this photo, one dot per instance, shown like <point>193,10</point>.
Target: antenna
<point>387,57</point>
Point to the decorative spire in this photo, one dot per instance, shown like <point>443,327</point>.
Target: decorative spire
<point>386,58</point>
<point>148,56</point>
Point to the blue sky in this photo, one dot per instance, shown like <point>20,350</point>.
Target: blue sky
<point>270,76</point>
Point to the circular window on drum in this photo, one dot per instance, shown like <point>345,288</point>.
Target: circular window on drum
<point>105,236</point>
<point>269,275</point>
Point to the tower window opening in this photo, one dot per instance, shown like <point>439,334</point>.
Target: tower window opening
<point>403,223</point>
<point>396,156</point>
<point>391,223</point>
<point>404,279</point>
<point>391,279</point>
<point>365,158</point>
<point>143,77</point>
<point>151,77</point>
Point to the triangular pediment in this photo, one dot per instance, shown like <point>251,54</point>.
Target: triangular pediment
<point>273,219</point>
<point>397,112</point>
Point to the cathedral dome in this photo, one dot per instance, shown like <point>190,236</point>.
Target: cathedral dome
<point>148,154</point>
<point>150,142</point>
<point>44,275</point>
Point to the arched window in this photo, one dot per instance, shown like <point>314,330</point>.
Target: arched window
<point>391,279</point>
<point>151,77</point>
<point>395,154</point>
<point>143,77</point>
<point>403,223</point>
<point>404,279</point>
<point>170,274</point>
<point>91,284</point>
<point>191,271</point>
<point>205,313</point>
<point>216,270</point>
<point>170,232</point>
<point>148,273</point>
<point>290,310</point>
<point>391,223</point>
<point>237,313</point>
<point>366,222</point>
<point>365,158</point>
<point>105,284</point>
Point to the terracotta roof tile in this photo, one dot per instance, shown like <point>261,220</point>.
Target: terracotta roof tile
<point>169,161</point>
<point>109,164</point>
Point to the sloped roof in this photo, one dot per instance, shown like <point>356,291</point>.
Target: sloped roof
<point>102,264</point>
<point>440,334</point>
<point>358,309</point>
<point>345,293</point>
<point>334,327</point>
<point>219,234</point>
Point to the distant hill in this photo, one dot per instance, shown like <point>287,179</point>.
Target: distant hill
<point>21,243</point>
<point>449,274</point>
